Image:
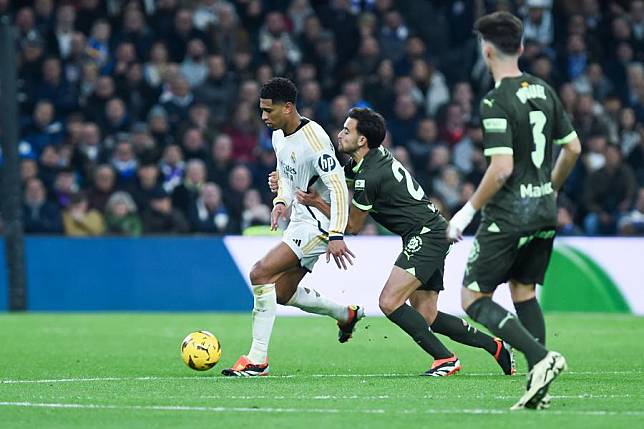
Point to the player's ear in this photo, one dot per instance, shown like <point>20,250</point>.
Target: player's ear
<point>288,107</point>
<point>488,50</point>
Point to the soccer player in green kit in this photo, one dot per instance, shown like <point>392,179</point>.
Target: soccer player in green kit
<point>523,121</point>
<point>384,189</point>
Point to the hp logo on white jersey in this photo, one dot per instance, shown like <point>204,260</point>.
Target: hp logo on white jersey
<point>326,163</point>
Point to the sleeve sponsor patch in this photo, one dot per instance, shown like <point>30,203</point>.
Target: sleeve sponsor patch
<point>326,163</point>
<point>359,184</point>
<point>495,125</point>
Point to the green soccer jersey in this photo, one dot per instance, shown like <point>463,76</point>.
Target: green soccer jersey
<point>392,196</point>
<point>523,117</point>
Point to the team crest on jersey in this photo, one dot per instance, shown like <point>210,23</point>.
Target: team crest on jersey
<point>326,163</point>
<point>413,246</point>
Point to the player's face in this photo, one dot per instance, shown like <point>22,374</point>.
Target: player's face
<point>348,137</point>
<point>273,115</point>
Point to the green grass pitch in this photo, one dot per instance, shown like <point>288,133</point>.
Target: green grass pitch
<point>124,371</point>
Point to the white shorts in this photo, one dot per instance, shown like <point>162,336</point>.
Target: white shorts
<point>306,241</point>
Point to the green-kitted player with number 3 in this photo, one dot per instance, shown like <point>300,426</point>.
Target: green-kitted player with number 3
<point>523,122</point>
<point>384,189</point>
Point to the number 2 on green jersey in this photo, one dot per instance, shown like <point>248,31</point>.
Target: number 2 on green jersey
<point>399,171</point>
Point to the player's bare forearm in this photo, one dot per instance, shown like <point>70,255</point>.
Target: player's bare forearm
<point>565,163</point>
<point>495,176</point>
<point>357,219</point>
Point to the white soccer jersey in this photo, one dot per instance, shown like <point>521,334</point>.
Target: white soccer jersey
<point>306,158</point>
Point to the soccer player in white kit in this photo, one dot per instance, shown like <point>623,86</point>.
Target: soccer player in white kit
<point>305,158</point>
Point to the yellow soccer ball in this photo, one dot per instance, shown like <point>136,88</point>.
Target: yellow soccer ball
<point>200,350</point>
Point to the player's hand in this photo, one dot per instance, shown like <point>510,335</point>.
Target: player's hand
<point>307,198</point>
<point>340,252</point>
<point>279,211</point>
<point>273,184</point>
<point>459,222</point>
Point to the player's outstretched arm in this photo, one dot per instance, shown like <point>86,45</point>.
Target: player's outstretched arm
<point>495,176</point>
<point>565,163</point>
<point>357,217</point>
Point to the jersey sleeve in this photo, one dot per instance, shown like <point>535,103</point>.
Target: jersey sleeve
<point>364,193</point>
<point>497,129</point>
<point>562,131</point>
<point>328,168</point>
<point>284,191</point>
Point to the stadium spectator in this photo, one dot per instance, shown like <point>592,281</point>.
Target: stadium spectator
<point>161,218</point>
<point>65,187</point>
<point>103,186</point>
<point>207,213</point>
<point>217,90</point>
<point>124,163</point>
<point>81,221</point>
<point>44,130</point>
<point>239,182</point>
<point>124,82</point>
<point>40,216</point>
<point>28,170</point>
<point>632,223</point>
<point>146,186</point>
<point>609,193</point>
<point>187,192</point>
<point>172,167</point>
<point>121,217</point>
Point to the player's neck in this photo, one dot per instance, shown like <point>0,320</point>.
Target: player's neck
<point>359,154</point>
<point>503,69</point>
<point>292,124</point>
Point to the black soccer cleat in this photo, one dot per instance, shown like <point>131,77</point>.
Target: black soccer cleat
<point>444,367</point>
<point>346,329</point>
<point>505,357</point>
<point>245,368</point>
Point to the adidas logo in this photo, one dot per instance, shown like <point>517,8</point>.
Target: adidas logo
<point>297,242</point>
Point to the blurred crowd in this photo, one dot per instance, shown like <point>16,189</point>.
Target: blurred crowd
<point>141,117</point>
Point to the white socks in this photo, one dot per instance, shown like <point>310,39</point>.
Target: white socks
<point>312,301</point>
<point>263,318</point>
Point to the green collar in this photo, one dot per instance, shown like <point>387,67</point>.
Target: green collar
<point>357,167</point>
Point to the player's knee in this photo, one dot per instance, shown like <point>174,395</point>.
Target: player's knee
<point>429,312</point>
<point>467,298</point>
<point>388,304</point>
<point>522,292</point>
<point>259,274</point>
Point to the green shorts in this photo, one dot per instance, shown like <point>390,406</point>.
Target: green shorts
<point>498,257</point>
<point>423,256</point>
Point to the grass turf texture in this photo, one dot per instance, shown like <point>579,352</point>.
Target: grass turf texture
<point>140,380</point>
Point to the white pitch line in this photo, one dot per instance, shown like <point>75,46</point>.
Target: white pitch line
<point>599,413</point>
<point>217,378</point>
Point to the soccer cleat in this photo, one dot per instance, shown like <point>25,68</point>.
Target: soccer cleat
<point>544,403</point>
<point>346,329</point>
<point>245,368</point>
<point>505,357</point>
<point>444,367</point>
<point>539,379</point>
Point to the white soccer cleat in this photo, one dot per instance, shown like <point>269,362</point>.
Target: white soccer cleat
<point>539,379</point>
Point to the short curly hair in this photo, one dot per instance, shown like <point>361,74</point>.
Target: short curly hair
<point>371,124</point>
<point>280,90</point>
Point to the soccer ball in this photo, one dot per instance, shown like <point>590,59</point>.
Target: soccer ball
<point>200,350</point>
